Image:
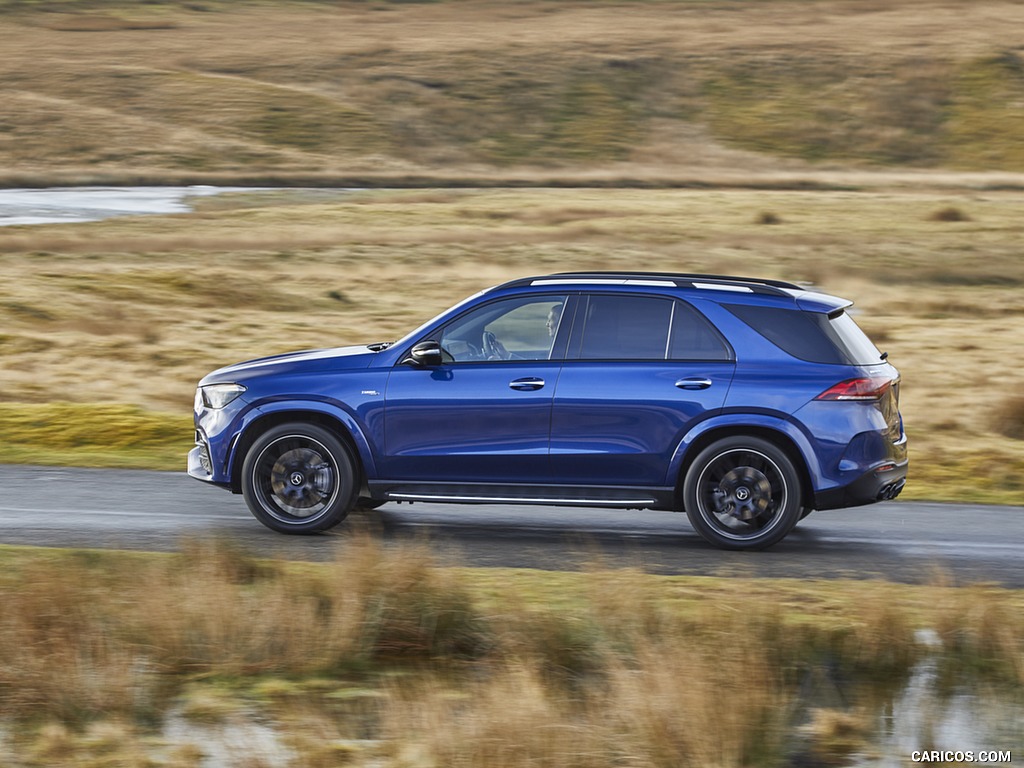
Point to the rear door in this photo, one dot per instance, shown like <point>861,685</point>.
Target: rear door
<point>641,369</point>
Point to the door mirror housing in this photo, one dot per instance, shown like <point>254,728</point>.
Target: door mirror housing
<point>426,354</point>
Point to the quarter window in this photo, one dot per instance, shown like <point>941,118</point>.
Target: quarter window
<point>694,338</point>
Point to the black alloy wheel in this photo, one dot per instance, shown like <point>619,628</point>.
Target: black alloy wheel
<point>743,493</point>
<point>299,478</point>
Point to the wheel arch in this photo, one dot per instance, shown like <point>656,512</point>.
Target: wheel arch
<point>335,424</point>
<point>776,437</point>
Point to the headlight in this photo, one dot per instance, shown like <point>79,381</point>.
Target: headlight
<point>218,395</point>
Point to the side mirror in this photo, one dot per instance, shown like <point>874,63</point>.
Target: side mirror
<point>426,354</point>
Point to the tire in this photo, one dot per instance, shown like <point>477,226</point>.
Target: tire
<point>742,493</point>
<point>299,478</point>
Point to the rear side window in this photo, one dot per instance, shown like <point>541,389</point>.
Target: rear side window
<point>626,328</point>
<point>619,327</point>
<point>812,336</point>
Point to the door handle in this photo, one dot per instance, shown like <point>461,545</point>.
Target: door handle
<point>693,383</point>
<point>529,384</point>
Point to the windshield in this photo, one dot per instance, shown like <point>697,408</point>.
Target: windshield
<point>413,334</point>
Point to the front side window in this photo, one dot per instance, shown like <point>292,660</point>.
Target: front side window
<point>512,329</point>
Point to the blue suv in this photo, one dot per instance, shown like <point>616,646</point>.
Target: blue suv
<point>745,402</point>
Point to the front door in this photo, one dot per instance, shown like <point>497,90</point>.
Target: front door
<point>484,415</point>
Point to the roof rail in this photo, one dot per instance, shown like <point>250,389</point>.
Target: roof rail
<point>753,284</point>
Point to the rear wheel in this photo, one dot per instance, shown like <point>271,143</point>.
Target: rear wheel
<point>298,478</point>
<point>742,493</point>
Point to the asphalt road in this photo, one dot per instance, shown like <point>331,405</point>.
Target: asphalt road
<point>128,509</point>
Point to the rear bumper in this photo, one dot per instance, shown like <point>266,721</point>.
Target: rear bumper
<point>880,484</point>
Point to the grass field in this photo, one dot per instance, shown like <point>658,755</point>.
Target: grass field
<point>384,658</point>
<point>490,92</point>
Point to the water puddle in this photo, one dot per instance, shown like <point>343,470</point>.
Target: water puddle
<point>69,205</point>
<point>240,740</point>
<point>966,719</point>
<point>887,724</point>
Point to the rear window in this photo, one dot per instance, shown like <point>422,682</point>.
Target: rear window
<point>849,337</point>
<point>812,336</point>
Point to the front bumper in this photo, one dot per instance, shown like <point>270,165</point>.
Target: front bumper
<point>200,463</point>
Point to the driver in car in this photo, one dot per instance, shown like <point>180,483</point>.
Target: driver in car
<point>495,350</point>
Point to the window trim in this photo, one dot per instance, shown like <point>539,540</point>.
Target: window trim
<point>671,330</point>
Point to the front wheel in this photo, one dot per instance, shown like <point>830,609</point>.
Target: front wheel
<point>298,478</point>
<point>742,493</point>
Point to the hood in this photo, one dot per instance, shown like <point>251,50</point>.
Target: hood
<point>310,360</point>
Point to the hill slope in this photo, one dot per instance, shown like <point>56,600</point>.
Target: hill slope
<point>503,92</point>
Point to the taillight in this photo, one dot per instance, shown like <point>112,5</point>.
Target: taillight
<point>857,389</point>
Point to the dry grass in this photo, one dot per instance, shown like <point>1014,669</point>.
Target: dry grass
<point>949,214</point>
<point>97,434</point>
<point>132,312</point>
<point>384,656</point>
<point>541,90</point>
<point>1008,418</point>
<point>84,638</point>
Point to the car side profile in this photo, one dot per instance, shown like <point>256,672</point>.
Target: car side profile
<point>746,403</point>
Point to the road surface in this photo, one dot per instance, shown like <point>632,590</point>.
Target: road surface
<point>142,510</point>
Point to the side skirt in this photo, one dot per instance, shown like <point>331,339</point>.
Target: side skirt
<point>617,497</point>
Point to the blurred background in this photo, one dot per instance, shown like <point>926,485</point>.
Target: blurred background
<point>493,92</point>
<point>342,171</point>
